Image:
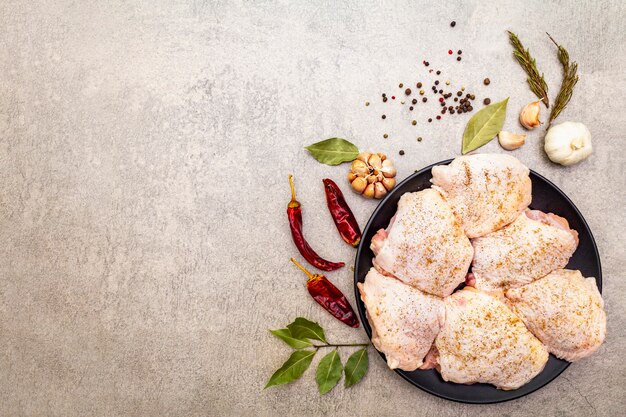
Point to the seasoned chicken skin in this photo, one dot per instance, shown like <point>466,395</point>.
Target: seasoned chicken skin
<point>531,247</point>
<point>424,245</point>
<point>404,320</point>
<point>565,311</point>
<point>482,340</point>
<point>486,192</point>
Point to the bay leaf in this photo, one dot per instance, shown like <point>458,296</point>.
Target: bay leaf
<point>293,368</point>
<point>328,372</point>
<point>484,126</point>
<point>333,151</point>
<point>286,336</point>
<point>302,328</point>
<point>356,367</point>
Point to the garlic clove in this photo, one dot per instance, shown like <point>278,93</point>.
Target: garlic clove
<point>389,183</point>
<point>359,184</point>
<point>529,116</point>
<point>382,156</point>
<point>379,190</point>
<point>369,191</point>
<point>351,176</point>
<point>371,178</point>
<point>375,161</point>
<point>388,169</point>
<point>510,141</point>
<point>360,168</point>
<point>380,176</point>
<point>363,156</point>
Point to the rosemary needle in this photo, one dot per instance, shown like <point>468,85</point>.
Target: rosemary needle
<point>570,78</point>
<point>535,81</point>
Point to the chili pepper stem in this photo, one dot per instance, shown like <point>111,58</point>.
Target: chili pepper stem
<point>310,275</point>
<point>293,203</point>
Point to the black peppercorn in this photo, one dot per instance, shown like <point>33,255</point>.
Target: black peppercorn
<point>459,52</point>
<point>430,120</point>
<point>440,91</point>
<point>473,97</point>
<point>436,82</point>
<point>411,108</point>
<point>414,101</point>
<point>459,93</point>
<point>414,122</point>
<point>470,108</point>
<point>453,23</point>
<point>458,58</point>
<point>424,99</point>
<point>486,81</point>
<point>487,101</point>
<point>438,72</point>
<point>456,99</point>
<point>407,91</point>
<point>400,85</point>
<point>419,139</point>
<point>401,152</point>
<point>385,136</point>
<point>384,99</point>
<point>384,117</point>
<point>418,85</point>
<point>452,111</point>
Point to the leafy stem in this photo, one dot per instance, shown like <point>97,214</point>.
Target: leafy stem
<point>570,78</point>
<point>527,62</point>
<point>340,345</point>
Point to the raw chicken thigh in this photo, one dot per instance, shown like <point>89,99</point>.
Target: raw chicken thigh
<point>565,311</point>
<point>531,247</point>
<point>424,245</point>
<point>486,192</point>
<point>483,341</point>
<point>404,320</point>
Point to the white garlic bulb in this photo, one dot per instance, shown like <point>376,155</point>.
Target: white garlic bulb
<point>568,143</point>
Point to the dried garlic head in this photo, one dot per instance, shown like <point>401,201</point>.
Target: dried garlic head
<point>372,175</point>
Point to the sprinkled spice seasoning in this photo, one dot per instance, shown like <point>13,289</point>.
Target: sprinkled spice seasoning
<point>486,81</point>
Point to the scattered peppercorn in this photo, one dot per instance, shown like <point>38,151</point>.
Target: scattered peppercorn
<point>414,101</point>
<point>430,120</point>
<point>367,103</point>
<point>447,82</point>
<point>424,99</point>
<point>487,101</point>
<point>384,99</point>
<point>473,97</point>
<point>440,91</point>
<point>456,99</point>
<point>422,92</point>
<point>414,122</point>
<point>441,99</point>
<point>438,72</point>
<point>384,117</point>
<point>436,82</point>
<point>393,97</point>
<point>450,52</point>
<point>459,93</point>
<point>453,23</point>
<point>486,81</point>
<point>411,108</point>
<point>426,63</point>
<point>419,138</point>
<point>401,152</point>
<point>418,85</point>
<point>385,136</point>
<point>401,85</point>
<point>459,52</point>
<point>438,117</point>
<point>407,91</point>
<point>458,58</point>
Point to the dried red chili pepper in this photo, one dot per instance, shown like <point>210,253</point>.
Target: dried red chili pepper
<point>330,297</point>
<point>342,215</point>
<point>294,211</point>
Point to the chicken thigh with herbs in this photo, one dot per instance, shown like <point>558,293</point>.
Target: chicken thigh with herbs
<point>531,247</point>
<point>424,245</point>
<point>404,320</point>
<point>482,340</point>
<point>486,191</point>
<point>565,311</point>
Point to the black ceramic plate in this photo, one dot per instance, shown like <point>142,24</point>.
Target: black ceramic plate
<point>546,197</point>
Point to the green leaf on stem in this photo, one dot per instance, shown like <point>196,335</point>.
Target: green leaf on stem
<point>484,126</point>
<point>285,336</point>
<point>293,369</point>
<point>356,367</point>
<point>328,372</point>
<point>302,328</point>
<point>333,151</point>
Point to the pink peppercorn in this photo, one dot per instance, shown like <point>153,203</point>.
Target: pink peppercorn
<point>449,51</point>
<point>441,99</point>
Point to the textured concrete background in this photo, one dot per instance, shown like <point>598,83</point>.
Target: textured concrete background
<point>144,154</point>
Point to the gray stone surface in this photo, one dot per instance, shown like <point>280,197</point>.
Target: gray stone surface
<point>144,154</point>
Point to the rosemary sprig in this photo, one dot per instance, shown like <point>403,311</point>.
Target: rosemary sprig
<point>570,78</point>
<point>535,81</point>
